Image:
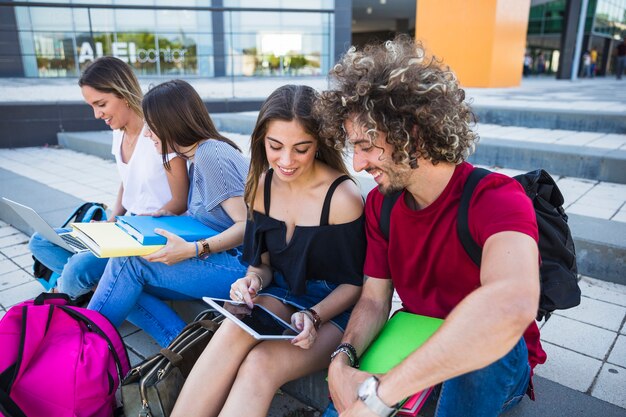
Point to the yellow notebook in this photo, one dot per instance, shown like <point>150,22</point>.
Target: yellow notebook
<point>106,240</point>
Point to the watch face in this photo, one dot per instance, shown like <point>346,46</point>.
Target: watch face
<point>367,388</point>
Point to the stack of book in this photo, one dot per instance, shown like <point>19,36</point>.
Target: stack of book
<point>135,235</point>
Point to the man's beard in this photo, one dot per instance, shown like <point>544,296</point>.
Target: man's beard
<point>396,182</point>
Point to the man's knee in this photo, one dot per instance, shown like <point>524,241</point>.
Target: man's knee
<point>489,389</point>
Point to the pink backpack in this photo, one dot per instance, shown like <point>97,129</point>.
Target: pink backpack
<point>59,361</point>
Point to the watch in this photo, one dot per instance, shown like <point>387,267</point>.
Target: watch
<point>368,394</point>
<point>206,248</point>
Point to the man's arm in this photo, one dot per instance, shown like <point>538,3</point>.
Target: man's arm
<point>367,318</point>
<point>481,329</point>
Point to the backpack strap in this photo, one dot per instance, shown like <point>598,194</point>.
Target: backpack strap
<point>8,407</point>
<point>91,211</point>
<point>472,248</point>
<point>384,221</point>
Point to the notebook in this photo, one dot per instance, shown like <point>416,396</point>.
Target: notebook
<point>399,337</point>
<point>142,228</point>
<point>106,240</point>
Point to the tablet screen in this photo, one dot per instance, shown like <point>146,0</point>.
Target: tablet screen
<point>259,322</point>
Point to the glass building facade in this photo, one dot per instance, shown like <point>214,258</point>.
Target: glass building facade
<point>177,37</point>
<point>605,27</point>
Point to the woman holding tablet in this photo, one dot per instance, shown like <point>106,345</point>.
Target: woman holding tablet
<point>305,243</point>
<point>110,87</point>
<point>177,122</point>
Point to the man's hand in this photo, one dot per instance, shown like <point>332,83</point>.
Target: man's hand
<point>343,382</point>
<point>175,250</point>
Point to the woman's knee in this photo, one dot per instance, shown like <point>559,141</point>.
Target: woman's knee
<point>37,241</point>
<point>261,364</point>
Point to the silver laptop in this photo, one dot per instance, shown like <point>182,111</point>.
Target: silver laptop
<point>34,220</point>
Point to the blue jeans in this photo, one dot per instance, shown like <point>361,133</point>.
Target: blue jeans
<point>486,392</point>
<point>316,291</point>
<point>134,288</point>
<point>78,272</point>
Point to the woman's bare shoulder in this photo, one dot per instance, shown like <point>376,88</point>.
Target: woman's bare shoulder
<point>346,204</point>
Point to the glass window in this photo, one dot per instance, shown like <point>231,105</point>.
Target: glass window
<point>183,20</point>
<point>102,20</point>
<point>81,19</point>
<point>135,20</point>
<point>41,18</point>
<point>55,54</point>
<point>89,48</point>
<point>22,16</point>
<point>286,4</point>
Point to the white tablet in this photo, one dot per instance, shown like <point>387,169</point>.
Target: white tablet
<point>259,322</point>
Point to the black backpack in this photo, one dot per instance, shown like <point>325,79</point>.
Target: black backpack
<point>84,213</point>
<point>558,272</point>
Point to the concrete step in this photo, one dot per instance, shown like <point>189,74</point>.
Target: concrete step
<point>569,119</point>
<point>572,161</point>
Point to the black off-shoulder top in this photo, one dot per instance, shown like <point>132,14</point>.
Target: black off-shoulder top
<point>328,252</point>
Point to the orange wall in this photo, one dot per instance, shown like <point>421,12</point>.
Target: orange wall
<point>483,41</point>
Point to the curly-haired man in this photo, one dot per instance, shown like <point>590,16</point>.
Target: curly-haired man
<point>405,118</point>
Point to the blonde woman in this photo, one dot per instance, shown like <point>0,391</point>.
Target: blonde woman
<point>111,88</point>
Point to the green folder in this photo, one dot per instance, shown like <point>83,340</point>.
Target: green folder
<point>399,337</point>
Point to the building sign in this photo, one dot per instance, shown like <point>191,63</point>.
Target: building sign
<point>130,53</point>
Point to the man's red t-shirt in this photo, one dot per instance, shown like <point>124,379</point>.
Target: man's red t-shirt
<point>424,257</point>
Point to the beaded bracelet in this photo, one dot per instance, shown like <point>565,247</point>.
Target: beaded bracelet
<point>354,362</point>
<point>347,347</point>
<point>317,320</point>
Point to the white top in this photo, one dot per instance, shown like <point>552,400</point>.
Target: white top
<point>145,183</point>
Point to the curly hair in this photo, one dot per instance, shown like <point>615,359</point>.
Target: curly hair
<point>394,88</point>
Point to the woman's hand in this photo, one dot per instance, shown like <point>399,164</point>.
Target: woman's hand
<point>303,322</point>
<point>175,250</point>
<point>245,289</point>
<point>158,213</point>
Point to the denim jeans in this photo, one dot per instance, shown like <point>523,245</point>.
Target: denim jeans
<point>486,392</point>
<point>78,272</point>
<point>316,291</point>
<point>134,288</point>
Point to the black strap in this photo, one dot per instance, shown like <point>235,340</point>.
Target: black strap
<point>329,195</point>
<point>46,296</point>
<point>384,221</point>
<point>267,190</point>
<point>8,407</point>
<point>472,248</point>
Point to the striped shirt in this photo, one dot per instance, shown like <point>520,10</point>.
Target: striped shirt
<point>217,173</point>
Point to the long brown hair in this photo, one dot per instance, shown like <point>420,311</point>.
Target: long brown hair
<point>286,103</point>
<point>108,74</point>
<point>176,114</point>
